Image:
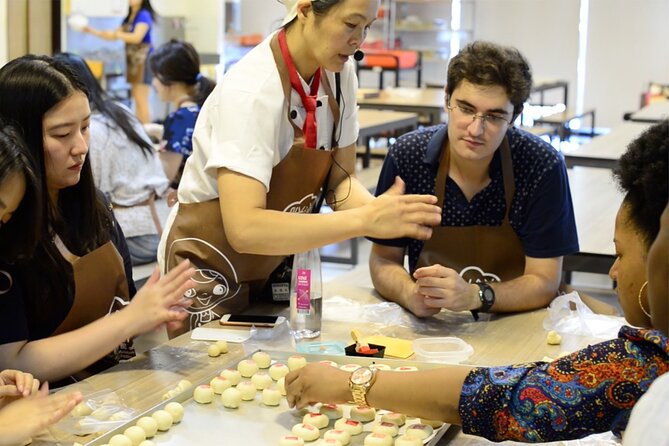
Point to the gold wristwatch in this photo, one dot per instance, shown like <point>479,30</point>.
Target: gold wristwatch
<point>359,383</point>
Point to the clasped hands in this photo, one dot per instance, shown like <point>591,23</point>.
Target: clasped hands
<point>438,287</point>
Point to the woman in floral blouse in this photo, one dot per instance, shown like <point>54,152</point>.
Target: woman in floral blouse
<point>591,390</point>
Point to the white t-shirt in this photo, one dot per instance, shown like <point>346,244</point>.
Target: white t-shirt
<point>126,173</point>
<point>648,424</point>
<point>243,125</point>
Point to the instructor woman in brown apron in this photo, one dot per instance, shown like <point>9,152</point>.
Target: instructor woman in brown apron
<point>268,136</point>
<point>67,305</point>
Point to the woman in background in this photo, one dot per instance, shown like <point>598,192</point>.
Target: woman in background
<point>591,390</point>
<point>59,315</point>
<point>125,166</point>
<point>25,407</point>
<point>135,31</point>
<point>177,79</point>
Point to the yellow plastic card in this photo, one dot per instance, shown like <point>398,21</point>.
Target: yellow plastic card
<point>395,347</point>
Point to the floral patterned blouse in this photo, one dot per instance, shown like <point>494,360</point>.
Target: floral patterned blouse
<point>592,390</point>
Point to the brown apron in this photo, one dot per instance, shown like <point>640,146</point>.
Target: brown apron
<point>101,287</point>
<point>136,57</point>
<point>478,253</point>
<point>224,278</point>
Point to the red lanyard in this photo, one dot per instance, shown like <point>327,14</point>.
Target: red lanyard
<point>308,101</point>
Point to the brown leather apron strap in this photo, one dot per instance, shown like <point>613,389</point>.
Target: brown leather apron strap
<point>151,203</point>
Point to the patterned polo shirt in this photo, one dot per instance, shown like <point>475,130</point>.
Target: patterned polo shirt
<point>541,214</point>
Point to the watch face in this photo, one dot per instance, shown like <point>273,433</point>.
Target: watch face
<point>488,294</point>
<point>362,375</point>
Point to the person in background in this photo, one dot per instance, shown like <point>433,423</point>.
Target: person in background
<point>591,390</point>
<point>125,166</point>
<point>177,79</point>
<point>507,215</point>
<point>135,31</point>
<point>25,407</point>
<point>281,125</point>
<point>58,314</point>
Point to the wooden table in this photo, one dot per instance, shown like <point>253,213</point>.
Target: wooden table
<point>596,201</point>
<point>374,122</point>
<point>497,340</point>
<point>652,113</point>
<point>425,101</point>
<point>606,150</point>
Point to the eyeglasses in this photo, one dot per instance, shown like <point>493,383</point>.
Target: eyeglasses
<point>469,115</point>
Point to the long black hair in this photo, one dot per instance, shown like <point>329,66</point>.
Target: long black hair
<point>20,235</point>
<point>146,5</point>
<point>30,86</point>
<point>177,61</point>
<point>103,103</point>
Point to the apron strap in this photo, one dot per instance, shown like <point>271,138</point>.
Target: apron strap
<point>507,175</point>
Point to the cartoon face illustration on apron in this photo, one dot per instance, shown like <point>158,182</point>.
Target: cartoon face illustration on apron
<point>101,287</point>
<point>478,253</point>
<point>224,278</point>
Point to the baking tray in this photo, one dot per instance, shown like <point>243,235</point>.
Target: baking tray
<point>253,423</point>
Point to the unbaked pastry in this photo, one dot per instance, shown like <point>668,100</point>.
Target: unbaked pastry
<point>203,394</point>
<point>306,431</point>
<point>263,359</point>
<point>378,439</point>
<point>261,380</point>
<point>338,434</point>
<point>316,419</point>
<point>219,384</point>
<point>362,413</point>
<point>247,367</point>
<point>233,375</point>
<point>351,426</point>
<point>271,397</point>
<point>231,398</point>
<point>149,425</point>
<point>296,362</point>
<point>163,418</point>
<point>136,434</point>
<point>176,410</point>
<point>278,371</point>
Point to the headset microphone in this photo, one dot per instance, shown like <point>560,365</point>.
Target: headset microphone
<point>358,55</point>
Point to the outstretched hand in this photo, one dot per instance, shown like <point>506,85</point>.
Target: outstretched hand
<point>161,300</point>
<point>395,215</point>
<point>29,416</point>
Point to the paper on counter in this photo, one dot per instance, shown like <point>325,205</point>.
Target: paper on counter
<point>235,335</point>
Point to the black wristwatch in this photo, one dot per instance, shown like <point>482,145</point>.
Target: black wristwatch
<point>487,296</point>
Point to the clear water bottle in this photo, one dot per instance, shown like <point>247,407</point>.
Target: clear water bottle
<point>306,295</point>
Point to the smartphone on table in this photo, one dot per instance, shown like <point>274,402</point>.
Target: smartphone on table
<point>249,320</point>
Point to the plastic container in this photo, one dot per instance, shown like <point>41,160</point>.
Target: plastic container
<point>447,350</point>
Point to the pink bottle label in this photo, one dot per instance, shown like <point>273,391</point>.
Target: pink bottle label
<point>303,290</point>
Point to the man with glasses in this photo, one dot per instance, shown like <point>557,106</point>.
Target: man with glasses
<point>507,215</point>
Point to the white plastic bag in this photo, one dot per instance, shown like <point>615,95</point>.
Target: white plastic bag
<point>567,314</point>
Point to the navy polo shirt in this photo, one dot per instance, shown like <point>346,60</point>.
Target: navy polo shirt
<point>542,213</point>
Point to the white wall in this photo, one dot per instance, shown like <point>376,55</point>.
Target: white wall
<point>261,16</point>
<point>628,46</point>
<point>3,33</point>
<point>545,31</point>
<point>204,21</point>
